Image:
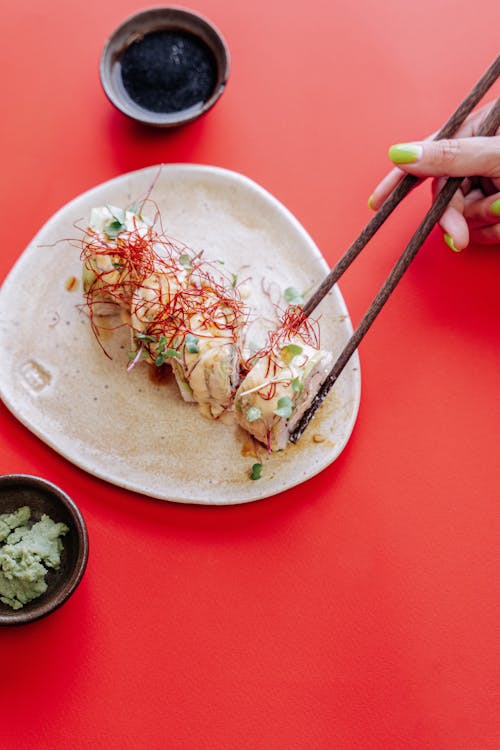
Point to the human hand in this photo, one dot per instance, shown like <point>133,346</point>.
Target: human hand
<point>474,211</point>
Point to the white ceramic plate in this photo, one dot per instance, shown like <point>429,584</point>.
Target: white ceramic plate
<point>122,426</point>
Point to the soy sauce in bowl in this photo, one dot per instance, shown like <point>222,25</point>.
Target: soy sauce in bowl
<point>165,66</point>
<point>169,71</point>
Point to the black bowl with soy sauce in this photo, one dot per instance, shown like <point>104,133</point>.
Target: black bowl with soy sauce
<point>164,66</point>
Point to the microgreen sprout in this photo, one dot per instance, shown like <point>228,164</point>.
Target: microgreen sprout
<point>163,353</point>
<point>145,337</point>
<point>253,413</point>
<point>289,351</point>
<point>285,407</point>
<point>256,472</point>
<point>192,343</point>
<point>113,228</point>
<point>134,357</point>
<point>297,385</point>
<point>116,224</point>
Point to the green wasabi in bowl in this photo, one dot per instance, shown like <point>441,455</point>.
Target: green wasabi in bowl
<point>27,551</point>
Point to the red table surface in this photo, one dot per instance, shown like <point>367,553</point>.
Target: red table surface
<point>361,609</point>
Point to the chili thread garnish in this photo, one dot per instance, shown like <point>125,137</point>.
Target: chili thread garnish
<point>280,349</point>
<point>176,300</point>
<point>121,269</point>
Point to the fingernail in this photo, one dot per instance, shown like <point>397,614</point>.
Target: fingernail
<point>372,207</point>
<point>405,153</point>
<point>449,241</point>
<point>495,207</point>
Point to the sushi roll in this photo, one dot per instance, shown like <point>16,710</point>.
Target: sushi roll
<point>117,250</point>
<point>283,379</point>
<point>152,310</point>
<point>188,320</point>
<point>207,368</point>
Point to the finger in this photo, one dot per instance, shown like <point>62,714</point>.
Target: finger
<point>437,185</point>
<point>466,186</point>
<point>486,235</point>
<point>469,128</point>
<point>455,157</point>
<point>455,228</point>
<point>452,222</point>
<point>384,188</point>
<point>483,212</point>
<point>474,195</point>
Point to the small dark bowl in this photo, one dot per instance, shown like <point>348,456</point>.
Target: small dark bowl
<point>153,20</point>
<point>42,497</point>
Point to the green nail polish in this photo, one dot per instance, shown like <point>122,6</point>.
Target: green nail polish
<point>449,241</point>
<point>405,153</point>
<point>495,207</point>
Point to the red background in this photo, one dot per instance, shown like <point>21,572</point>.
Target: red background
<point>357,611</point>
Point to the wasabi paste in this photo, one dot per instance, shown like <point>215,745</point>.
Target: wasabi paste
<point>27,550</point>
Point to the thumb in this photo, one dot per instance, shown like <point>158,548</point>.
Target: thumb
<point>456,157</point>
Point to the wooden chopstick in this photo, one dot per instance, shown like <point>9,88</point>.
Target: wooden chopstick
<point>403,188</point>
<point>488,127</point>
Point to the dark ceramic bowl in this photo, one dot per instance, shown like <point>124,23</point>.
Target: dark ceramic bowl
<point>158,20</point>
<point>42,497</point>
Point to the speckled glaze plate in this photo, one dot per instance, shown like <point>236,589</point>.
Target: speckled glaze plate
<point>126,427</point>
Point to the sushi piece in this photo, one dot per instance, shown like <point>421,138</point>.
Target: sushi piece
<point>193,323</point>
<point>118,249</point>
<point>152,309</point>
<point>207,368</point>
<point>284,377</point>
